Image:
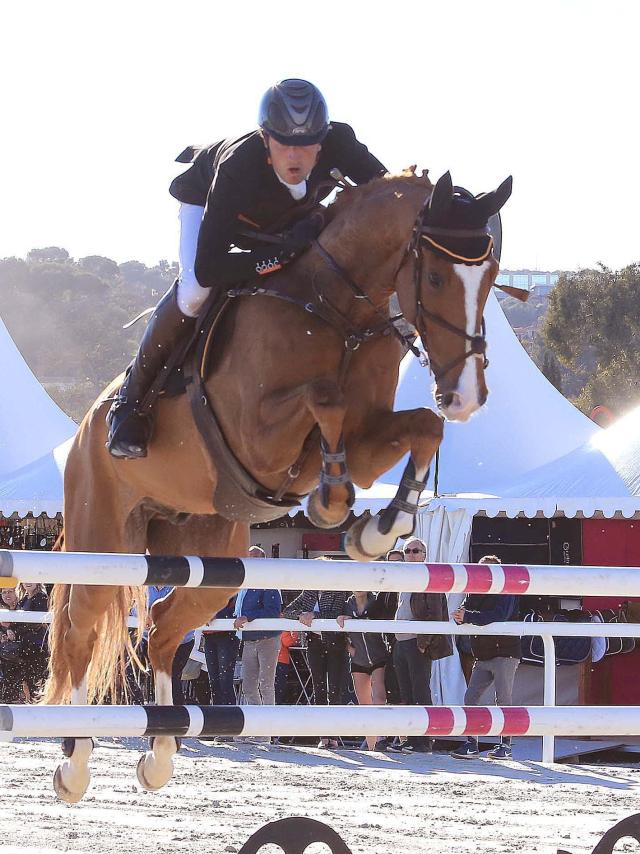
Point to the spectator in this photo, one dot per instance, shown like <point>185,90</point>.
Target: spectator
<point>283,668</point>
<point>256,551</point>
<point>327,651</point>
<point>368,656</point>
<point>413,654</point>
<point>221,654</point>
<point>35,656</point>
<point>386,607</point>
<point>259,649</point>
<point>496,659</point>
<point>14,688</point>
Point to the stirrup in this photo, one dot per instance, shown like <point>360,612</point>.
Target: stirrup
<point>118,420</point>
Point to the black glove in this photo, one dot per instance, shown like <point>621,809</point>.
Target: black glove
<point>302,233</point>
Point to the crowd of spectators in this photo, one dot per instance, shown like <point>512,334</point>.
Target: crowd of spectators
<point>254,667</point>
<point>23,646</point>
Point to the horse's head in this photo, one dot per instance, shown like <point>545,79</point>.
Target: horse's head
<point>443,284</point>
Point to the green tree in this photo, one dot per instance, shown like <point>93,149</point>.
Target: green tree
<point>593,326</point>
<point>551,369</point>
<point>49,253</point>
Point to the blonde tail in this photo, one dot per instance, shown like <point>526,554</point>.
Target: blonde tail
<point>112,650</point>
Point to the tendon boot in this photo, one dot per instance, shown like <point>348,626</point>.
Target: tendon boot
<point>130,419</point>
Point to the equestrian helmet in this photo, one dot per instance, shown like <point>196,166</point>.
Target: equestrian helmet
<point>294,112</point>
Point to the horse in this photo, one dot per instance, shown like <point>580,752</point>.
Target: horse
<point>301,398</point>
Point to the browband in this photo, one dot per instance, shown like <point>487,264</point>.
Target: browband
<point>462,258</point>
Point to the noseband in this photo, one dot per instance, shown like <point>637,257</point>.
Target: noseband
<point>422,238</point>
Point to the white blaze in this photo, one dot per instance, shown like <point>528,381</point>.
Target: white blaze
<point>467,390</point>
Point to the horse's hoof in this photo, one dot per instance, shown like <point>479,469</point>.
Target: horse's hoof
<point>318,514</point>
<point>64,794</point>
<point>353,539</point>
<point>146,785</point>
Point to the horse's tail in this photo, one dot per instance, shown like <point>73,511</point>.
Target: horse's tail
<point>113,648</point>
<point>57,688</point>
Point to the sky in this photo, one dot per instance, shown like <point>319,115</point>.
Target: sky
<point>99,98</point>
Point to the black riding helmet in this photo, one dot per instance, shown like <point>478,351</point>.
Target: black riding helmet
<point>294,112</point>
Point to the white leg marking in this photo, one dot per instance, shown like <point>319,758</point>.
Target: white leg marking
<point>74,770</point>
<point>157,766</point>
<point>376,543</point>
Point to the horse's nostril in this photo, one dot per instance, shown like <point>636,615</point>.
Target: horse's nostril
<point>448,399</point>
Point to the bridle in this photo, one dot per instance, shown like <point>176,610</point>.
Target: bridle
<point>422,238</point>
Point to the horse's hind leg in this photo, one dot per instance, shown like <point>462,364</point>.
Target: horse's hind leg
<point>88,634</point>
<point>181,611</point>
<point>84,607</point>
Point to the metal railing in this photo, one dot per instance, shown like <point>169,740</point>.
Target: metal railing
<point>546,631</point>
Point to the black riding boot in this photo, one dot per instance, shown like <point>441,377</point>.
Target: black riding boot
<point>130,427</point>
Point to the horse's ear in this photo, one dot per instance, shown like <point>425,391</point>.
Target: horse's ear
<point>492,202</point>
<point>441,197</point>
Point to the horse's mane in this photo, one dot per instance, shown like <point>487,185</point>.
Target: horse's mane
<point>396,183</point>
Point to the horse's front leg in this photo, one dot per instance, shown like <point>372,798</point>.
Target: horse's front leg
<point>389,437</point>
<point>330,502</point>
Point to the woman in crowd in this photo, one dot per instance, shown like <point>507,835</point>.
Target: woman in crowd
<point>35,656</point>
<point>14,688</point>
<point>327,651</point>
<point>368,656</point>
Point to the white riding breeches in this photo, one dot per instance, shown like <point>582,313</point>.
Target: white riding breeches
<point>191,297</point>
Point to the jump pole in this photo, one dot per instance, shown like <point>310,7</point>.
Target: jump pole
<point>434,721</point>
<point>295,574</point>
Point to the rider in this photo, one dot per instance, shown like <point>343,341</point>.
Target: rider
<point>270,180</point>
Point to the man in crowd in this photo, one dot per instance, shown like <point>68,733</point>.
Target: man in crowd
<point>496,659</point>
<point>413,653</point>
<point>259,649</point>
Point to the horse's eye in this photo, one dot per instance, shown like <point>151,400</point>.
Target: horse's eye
<point>435,279</point>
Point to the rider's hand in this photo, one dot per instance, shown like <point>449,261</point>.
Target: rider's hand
<point>303,233</point>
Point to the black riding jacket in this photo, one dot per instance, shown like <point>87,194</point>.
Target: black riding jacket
<point>239,189</point>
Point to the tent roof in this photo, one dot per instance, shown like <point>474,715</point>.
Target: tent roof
<point>601,476</point>
<point>31,424</point>
<point>36,487</point>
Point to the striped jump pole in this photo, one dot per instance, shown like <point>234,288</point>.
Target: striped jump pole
<point>295,574</point>
<point>434,721</point>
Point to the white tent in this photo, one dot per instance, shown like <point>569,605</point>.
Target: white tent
<point>31,424</point>
<point>36,487</point>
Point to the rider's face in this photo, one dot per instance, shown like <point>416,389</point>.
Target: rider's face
<point>292,163</point>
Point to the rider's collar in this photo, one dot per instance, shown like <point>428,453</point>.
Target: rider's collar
<point>298,191</point>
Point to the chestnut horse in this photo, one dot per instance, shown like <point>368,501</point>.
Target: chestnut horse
<point>281,372</point>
